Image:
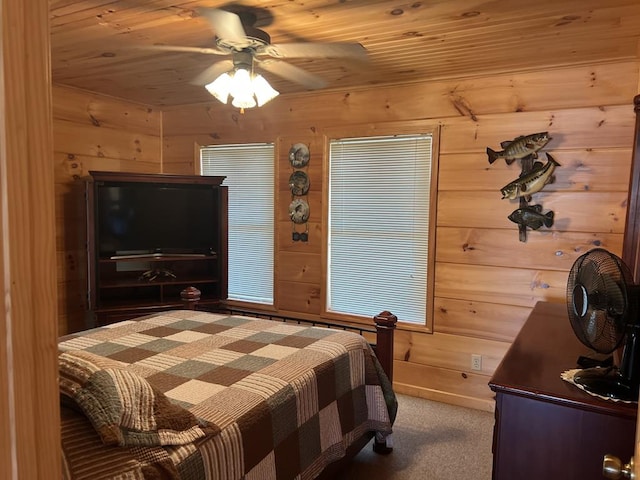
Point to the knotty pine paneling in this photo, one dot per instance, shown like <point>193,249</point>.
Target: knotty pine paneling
<point>479,319</point>
<point>285,242</point>
<point>537,91</point>
<point>296,297</point>
<point>546,249</point>
<point>482,209</point>
<point>299,267</point>
<point>84,108</point>
<point>502,285</point>
<point>580,170</point>
<point>464,388</point>
<point>593,127</point>
<point>448,351</point>
<point>92,132</point>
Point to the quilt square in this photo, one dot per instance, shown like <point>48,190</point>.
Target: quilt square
<point>275,351</point>
<point>184,324</point>
<point>330,431</point>
<point>251,362</point>
<point>132,355</point>
<point>224,375</point>
<point>106,349</point>
<point>309,437</point>
<point>295,341</point>
<point>265,469</point>
<point>287,456</point>
<point>187,336</point>
<point>194,391</point>
<point>255,426</point>
<point>78,343</point>
<point>160,361</point>
<point>238,333</point>
<point>165,381</point>
<point>243,346</point>
<point>263,385</point>
<point>326,380</point>
<point>233,321</point>
<point>266,337</point>
<point>134,339</point>
<point>190,369</point>
<point>161,345</point>
<point>218,356</point>
<point>161,331</point>
<point>211,328</point>
<point>284,423</point>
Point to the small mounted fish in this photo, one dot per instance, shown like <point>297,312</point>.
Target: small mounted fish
<point>532,182</point>
<point>519,147</point>
<point>531,216</point>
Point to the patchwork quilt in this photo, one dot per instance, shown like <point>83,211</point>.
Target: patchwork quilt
<point>195,395</point>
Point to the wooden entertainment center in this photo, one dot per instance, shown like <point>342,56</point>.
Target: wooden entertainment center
<point>122,286</point>
<point>547,428</point>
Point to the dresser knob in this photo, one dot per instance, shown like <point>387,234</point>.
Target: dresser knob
<point>612,468</point>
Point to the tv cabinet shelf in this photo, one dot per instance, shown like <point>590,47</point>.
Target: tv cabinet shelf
<point>134,282</point>
<point>117,287</point>
<point>157,258</point>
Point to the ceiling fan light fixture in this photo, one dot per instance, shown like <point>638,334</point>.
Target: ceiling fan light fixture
<point>243,101</point>
<point>263,91</point>
<point>221,87</point>
<point>246,89</point>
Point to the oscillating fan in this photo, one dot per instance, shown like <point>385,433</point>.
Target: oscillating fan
<point>602,302</point>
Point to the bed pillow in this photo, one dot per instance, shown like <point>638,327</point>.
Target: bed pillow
<point>124,408</point>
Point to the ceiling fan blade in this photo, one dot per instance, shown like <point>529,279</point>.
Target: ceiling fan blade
<point>293,73</point>
<point>225,24</point>
<point>211,73</point>
<point>178,48</point>
<point>316,50</point>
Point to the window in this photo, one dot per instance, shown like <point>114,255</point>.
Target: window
<point>250,177</point>
<point>378,238</point>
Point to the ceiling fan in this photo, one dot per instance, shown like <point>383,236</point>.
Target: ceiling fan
<point>250,47</point>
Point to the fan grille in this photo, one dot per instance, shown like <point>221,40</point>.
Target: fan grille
<point>597,299</point>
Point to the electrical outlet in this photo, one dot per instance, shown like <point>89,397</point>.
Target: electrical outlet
<point>476,361</point>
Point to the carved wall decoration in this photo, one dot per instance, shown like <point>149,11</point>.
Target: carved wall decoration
<point>299,186</point>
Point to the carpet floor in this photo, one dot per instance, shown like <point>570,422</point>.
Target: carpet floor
<point>431,441</point>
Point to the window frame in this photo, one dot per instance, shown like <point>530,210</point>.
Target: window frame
<point>381,130</point>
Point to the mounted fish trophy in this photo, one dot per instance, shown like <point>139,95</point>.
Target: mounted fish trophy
<point>533,177</point>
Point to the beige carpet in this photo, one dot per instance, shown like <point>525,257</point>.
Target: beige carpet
<point>432,441</point>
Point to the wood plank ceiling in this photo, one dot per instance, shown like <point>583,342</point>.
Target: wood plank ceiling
<point>95,42</point>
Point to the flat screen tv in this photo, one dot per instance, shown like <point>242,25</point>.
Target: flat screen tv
<point>142,219</point>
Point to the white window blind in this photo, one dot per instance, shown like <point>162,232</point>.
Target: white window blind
<point>379,190</point>
<point>250,172</point>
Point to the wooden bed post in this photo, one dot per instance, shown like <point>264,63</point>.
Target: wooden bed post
<point>190,297</point>
<point>385,328</point>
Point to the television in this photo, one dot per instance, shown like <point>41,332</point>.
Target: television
<point>155,219</point>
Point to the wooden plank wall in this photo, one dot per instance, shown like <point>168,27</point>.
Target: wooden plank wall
<point>486,280</point>
<point>92,132</point>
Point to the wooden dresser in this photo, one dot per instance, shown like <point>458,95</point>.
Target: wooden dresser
<point>545,427</point>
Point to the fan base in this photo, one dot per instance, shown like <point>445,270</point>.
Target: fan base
<point>606,382</point>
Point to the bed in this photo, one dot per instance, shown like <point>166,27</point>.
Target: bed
<point>186,394</point>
